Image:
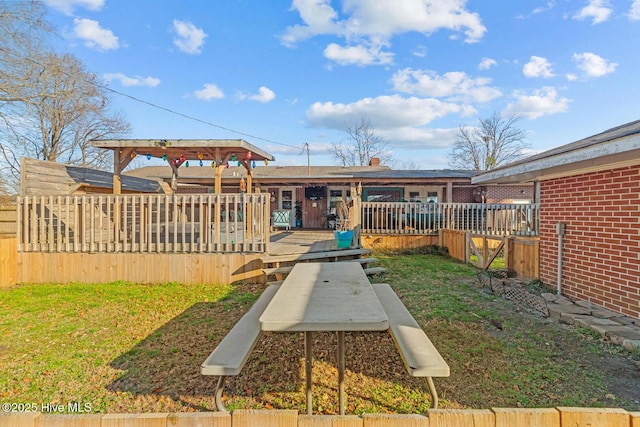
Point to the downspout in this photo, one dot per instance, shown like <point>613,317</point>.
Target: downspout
<point>560,229</point>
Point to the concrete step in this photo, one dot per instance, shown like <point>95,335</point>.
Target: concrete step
<point>315,256</point>
<point>369,272</point>
<point>374,270</point>
<point>287,269</point>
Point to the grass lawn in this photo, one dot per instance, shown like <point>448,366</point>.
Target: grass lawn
<point>123,347</point>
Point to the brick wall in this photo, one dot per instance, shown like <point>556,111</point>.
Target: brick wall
<point>507,194</point>
<point>495,193</point>
<point>601,251</point>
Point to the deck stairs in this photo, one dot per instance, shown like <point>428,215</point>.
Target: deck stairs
<point>277,267</point>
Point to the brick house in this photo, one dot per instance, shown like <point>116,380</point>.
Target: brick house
<point>317,189</point>
<point>592,186</point>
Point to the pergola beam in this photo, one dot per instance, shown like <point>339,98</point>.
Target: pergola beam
<point>179,151</point>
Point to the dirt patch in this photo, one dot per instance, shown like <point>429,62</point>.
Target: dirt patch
<point>616,367</point>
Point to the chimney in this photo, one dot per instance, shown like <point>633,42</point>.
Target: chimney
<point>374,161</point>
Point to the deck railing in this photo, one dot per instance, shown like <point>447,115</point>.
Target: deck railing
<point>149,223</point>
<point>427,218</point>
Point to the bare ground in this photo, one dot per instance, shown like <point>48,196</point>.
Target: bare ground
<point>509,357</point>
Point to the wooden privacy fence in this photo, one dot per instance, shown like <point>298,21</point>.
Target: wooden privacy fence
<point>521,254</point>
<point>497,417</point>
<point>426,218</point>
<point>8,220</point>
<point>148,223</point>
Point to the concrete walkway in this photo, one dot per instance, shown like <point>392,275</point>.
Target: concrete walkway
<point>614,327</point>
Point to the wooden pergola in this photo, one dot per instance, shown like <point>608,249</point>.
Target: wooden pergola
<point>177,152</point>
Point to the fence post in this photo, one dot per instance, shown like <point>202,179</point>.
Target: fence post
<point>467,247</point>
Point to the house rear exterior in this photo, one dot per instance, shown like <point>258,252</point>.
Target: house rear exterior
<point>589,195</point>
<point>316,191</point>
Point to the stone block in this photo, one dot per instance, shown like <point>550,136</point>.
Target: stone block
<point>623,320</point>
<point>563,300</point>
<point>554,311</point>
<point>594,323</point>
<point>617,334</point>
<point>549,297</point>
<point>631,344</point>
<point>603,313</point>
<point>585,304</point>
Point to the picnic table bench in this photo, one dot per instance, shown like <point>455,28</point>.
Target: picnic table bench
<point>232,352</point>
<point>420,356</point>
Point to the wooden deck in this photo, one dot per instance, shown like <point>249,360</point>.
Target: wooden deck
<point>302,241</point>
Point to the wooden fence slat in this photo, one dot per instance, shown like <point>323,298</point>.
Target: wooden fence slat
<point>68,420</point>
<point>119,420</point>
<point>8,261</point>
<point>18,419</point>
<point>395,420</point>
<point>587,417</point>
<point>265,418</point>
<point>461,418</point>
<point>199,419</point>
<point>635,419</point>
<point>526,417</point>
<point>329,421</point>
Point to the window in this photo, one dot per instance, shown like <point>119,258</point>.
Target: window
<point>287,199</point>
<point>382,194</point>
<point>432,197</point>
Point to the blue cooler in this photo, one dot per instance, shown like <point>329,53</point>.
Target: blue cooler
<point>343,238</point>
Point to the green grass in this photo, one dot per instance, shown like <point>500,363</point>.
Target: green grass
<point>59,341</point>
<point>124,347</point>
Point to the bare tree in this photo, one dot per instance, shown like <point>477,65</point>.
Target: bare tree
<point>494,142</point>
<point>62,109</point>
<point>407,165</point>
<point>50,106</point>
<point>361,146</point>
<point>23,31</point>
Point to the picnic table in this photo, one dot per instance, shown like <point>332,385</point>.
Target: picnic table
<point>327,296</point>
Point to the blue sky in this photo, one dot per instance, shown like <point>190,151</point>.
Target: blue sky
<point>280,74</point>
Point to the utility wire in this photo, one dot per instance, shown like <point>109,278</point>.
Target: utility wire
<point>142,101</point>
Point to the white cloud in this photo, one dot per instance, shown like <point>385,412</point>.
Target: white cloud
<point>594,65</point>
<point>597,10</point>
<point>68,6</point>
<point>93,35</point>
<point>319,17</point>
<point>542,9</point>
<point>537,67</point>
<point>421,51</point>
<point>264,95</point>
<point>357,55</point>
<point>456,85</point>
<point>190,38</point>
<point>208,92</point>
<point>419,137</point>
<point>132,81</point>
<point>385,112</point>
<point>541,102</point>
<point>571,77</point>
<point>634,11</point>
<point>487,63</point>
<point>374,22</point>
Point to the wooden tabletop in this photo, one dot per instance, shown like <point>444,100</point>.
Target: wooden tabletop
<point>325,296</point>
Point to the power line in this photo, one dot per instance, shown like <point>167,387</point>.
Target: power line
<point>169,110</point>
<point>195,118</point>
